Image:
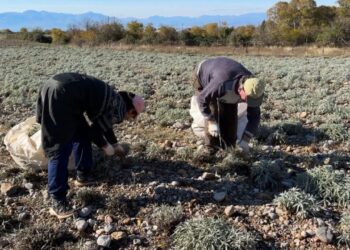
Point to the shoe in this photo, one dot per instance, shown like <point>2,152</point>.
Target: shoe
<point>61,209</point>
<point>84,180</point>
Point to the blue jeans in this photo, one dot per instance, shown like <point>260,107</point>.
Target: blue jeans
<point>58,165</point>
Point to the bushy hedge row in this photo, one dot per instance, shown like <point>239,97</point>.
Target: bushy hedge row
<point>288,24</point>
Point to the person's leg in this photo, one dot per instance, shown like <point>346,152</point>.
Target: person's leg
<point>58,172</point>
<point>83,156</point>
<point>82,151</point>
<point>209,140</point>
<point>58,182</point>
<point>228,124</point>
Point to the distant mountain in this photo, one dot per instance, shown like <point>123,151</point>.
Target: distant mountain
<point>180,22</point>
<point>47,20</point>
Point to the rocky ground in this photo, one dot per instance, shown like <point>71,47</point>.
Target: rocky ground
<point>167,179</point>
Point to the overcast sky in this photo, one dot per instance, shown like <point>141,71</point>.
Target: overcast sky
<point>145,8</point>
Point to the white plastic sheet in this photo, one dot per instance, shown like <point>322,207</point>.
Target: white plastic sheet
<point>199,120</point>
<point>25,149</point>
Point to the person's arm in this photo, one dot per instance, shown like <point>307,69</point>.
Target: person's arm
<point>97,137</point>
<point>205,97</point>
<point>39,108</point>
<point>102,131</point>
<point>110,136</point>
<point>253,116</point>
<point>111,143</point>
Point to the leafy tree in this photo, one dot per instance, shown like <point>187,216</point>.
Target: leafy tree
<point>134,31</point>
<point>38,35</point>
<point>187,38</point>
<point>167,34</point>
<point>332,35</point>
<point>88,36</point>
<point>59,36</point>
<point>242,36</point>
<point>212,30</point>
<point>149,34</point>
<point>224,32</point>
<point>110,32</point>
<point>23,34</point>
<point>343,20</point>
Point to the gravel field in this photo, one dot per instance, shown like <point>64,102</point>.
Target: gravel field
<point>291,192</point>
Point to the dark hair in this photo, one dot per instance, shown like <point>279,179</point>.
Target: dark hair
<point>127,97</point>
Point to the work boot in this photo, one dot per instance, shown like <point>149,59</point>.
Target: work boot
<point>84,179</point>
<point>60,208</point>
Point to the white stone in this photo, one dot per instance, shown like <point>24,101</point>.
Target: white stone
<point>104,240</point>
<point>229,210</point>
<point>85,211</point>
<point>81,225</point>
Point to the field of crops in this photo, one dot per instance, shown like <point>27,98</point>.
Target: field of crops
<point>292,192</point>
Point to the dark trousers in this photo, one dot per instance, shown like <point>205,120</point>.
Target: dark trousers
<point>226,117</point>
<point>58,164</point>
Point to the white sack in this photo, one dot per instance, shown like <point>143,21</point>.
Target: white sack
<point>27,150</point>
<point>199,120</point>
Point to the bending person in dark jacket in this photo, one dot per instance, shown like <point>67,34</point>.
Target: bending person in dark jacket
<point>221,83</point>
<point>75,110</point>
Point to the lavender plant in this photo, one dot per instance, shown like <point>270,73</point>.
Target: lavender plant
<point>211,233</point>
<point>165,215</point>
<point>328,184</point>
<point>344,237</point>
<point>297,202</point>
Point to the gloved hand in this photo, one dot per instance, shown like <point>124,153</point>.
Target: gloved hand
<point>213,128</point>
<point>243,144</point>
<point>119,150</point>
<point>108,149</point>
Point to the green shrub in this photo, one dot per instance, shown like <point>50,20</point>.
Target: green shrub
<point>165,216</point>
<point>88,196</point>
<point>345,228</point>
<point>267,174</point>
<point>43,237</point>
<point>185,153</point>
<point>59,36</point>
<point>167,116</point>
<point>234,160</point>
<point>111,32</point>
<point>211,233</point>
<point>5,220</point>
<point>154,151</point>
<point>297,202</point>
<point>328,184</point>
<point>336,132</point>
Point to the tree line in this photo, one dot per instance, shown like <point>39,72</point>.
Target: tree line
<point>294,23</point>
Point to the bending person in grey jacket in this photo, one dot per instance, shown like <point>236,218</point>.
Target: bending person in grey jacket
<point>75,110</point>
<point>221,83</point>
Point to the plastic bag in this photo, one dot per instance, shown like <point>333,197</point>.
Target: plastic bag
<point>199,120</point>
<point>23,142</point>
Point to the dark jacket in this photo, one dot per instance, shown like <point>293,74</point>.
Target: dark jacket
<point>69,102</point>
<point>217,76</point>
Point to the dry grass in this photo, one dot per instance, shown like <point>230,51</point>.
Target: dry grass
<point>229,50</point>
<point>6,41</point>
